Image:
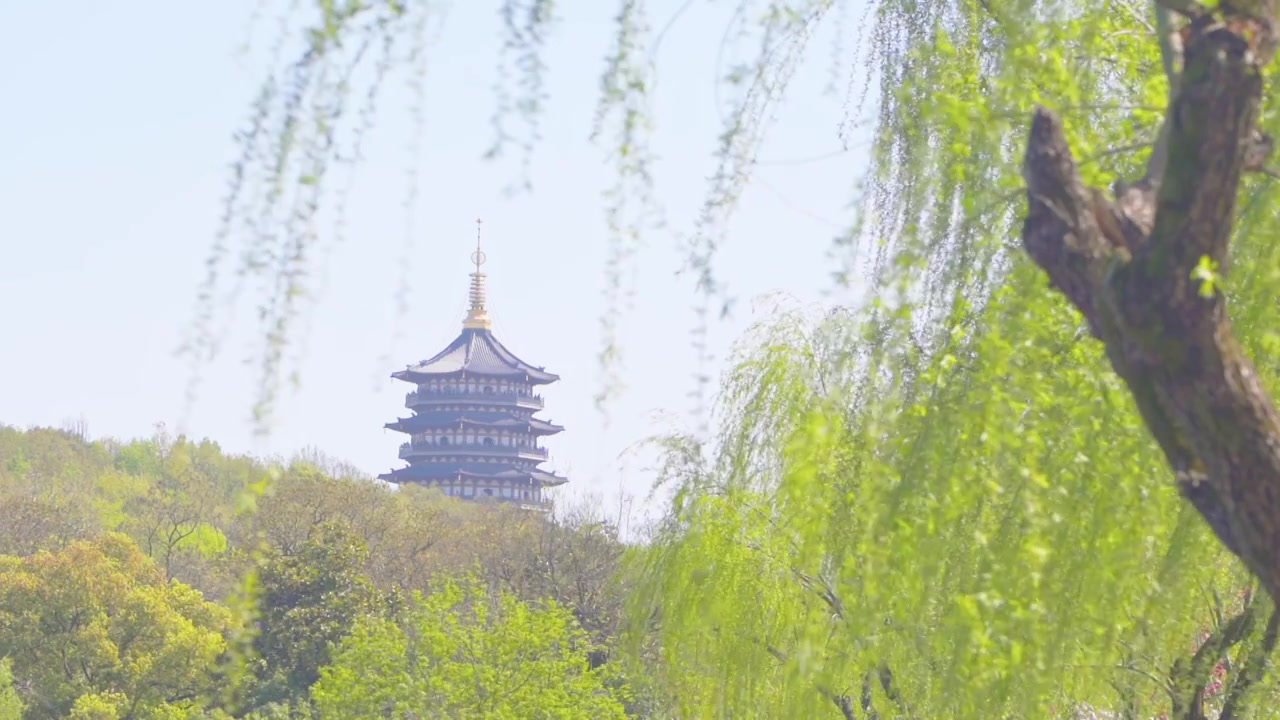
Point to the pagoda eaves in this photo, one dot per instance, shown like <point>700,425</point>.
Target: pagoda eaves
<point>475,352</point>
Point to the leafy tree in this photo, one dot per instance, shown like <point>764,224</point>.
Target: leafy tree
<point>572,556</point>
<point>177,503</point>
<point>100,706</point>
<point>96,626</point>
<point>46,492</point>
<point>307,602</point>
<point>11,705</point>
<point>399,530</point>
<point>44,520</point>
<point>461,652</point>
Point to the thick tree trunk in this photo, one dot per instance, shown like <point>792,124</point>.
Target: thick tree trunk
<point>1137,270</point>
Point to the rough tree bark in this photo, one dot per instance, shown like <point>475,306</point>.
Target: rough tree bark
<point>1136,269</point>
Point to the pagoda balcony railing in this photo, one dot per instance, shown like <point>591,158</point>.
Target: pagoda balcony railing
<point>523,452</point>
<point>521,399</point>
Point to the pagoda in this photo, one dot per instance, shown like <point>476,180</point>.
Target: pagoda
<point>473,433</point>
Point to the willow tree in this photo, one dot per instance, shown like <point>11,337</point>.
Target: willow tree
<point>949,502</point>
<point>950,506</point>
<point>1143,270</point>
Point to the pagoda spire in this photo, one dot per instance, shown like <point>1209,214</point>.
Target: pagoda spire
<point>477,316</point>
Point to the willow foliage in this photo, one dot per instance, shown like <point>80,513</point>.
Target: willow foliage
<point>1005,542</point>
<point>947,506</point>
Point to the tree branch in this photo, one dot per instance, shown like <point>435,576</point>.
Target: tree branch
<point>1189,677</point>
<point>1254,670</point>
<point>1136,269</point>
<point>843,702</point>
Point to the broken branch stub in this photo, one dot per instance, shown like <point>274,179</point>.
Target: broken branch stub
<point>1136,270</point>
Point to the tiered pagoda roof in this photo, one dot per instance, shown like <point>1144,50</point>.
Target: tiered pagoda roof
<point>476,352</point>
<point>473,432</point>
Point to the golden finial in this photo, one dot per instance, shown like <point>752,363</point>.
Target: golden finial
<point>477,316</point>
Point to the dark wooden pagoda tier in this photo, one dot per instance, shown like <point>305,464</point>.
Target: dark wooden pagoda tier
<point>473,433</point>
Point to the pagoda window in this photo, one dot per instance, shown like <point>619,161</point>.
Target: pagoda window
<point>488,389</point>
<point>488,441</point>
<point>488,492</point>
<point>444,440</point>
<point>467,491</point>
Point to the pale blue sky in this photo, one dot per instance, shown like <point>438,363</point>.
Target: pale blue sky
<point>114,147</point>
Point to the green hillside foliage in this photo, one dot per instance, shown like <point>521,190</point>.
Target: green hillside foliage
<point>465,653</point>
<point>163,578</point>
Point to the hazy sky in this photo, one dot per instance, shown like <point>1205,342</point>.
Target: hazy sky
<point>114,147</point>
